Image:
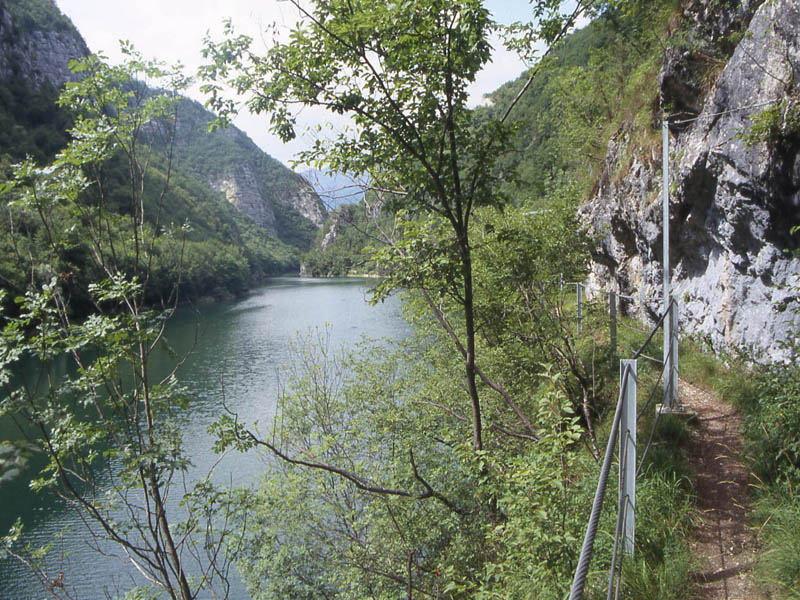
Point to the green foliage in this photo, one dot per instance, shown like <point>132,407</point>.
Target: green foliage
<point>662,561</point>
<point>597,83</point>
<point>353,232</point>
<point>33,125</point>
<point>37,15</point>
<point>418,506</point>
<point>779,563</point>
<point>773,423</point>
<point>203,242</point>
<point>414,511</point>
<point>30,122</point>
<point>776,125</point>
<point>109,429</point>
<point>542,514</point>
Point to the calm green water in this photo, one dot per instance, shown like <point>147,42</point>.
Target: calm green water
<point>239,347</point>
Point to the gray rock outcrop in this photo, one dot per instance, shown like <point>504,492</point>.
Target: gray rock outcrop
<point>306,201</point>
<point>35,54</point>
<point>241,189</point>
<point>732,205</point>
<point>340,218</point>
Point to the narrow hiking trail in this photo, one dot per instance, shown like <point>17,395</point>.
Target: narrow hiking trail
<point>722,542</point>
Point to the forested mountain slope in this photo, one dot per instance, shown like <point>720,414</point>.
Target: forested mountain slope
<point>279,200</point>
<point>249,215</point>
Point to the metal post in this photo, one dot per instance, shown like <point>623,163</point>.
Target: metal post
<point>673,360</point>
<point>579,293</point>
<point>665,258</point>
<point>627,454</point>
<point>612,310</point>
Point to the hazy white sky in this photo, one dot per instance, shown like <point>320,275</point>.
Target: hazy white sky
<point>173,30</point>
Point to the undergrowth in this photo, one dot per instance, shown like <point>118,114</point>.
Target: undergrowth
<point>772,430</point>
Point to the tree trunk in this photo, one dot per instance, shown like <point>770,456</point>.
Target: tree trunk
<point>469,322</point>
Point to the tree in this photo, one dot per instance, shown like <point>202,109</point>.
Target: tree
<point>385,495</point>
<point>110,427</point>
<point>400,71</point>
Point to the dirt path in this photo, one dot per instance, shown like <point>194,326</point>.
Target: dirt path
<point>721,540</point>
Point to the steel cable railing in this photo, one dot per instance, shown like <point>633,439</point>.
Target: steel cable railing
<point>658,415</point>
<point>582,570</point>
<point>620,524</point>
<point>584,562</point>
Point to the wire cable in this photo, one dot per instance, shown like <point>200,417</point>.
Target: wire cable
<point>658,418</point>
<point>723,112</point>
<point>582,570</point>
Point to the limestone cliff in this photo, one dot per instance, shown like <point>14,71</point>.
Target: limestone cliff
<point>258,185</point>
<point>240,186</point>
<point>732,205</point>
<point>37,49</point>
<point>241,189</point>
<point>306,201</point>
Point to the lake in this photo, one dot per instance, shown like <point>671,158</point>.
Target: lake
<point>239,347</point>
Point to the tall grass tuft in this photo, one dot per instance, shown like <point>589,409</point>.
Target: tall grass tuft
<point>779,564</point>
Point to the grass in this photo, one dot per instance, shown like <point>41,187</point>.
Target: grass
<point>729,377</point>
<point>778,568</point>
<point>768,399</point>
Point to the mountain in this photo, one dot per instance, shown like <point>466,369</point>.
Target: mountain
<point>37,42</point>
<point>333,188</point>
<point>228,161</point>
<point>237,199</point>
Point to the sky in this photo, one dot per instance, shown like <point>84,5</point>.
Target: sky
<point>173,31</point>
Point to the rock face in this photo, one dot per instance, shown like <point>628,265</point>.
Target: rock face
<point>241,189</point>
<point>731,206</point>
<point>231,163</point>
<point>37,54</point>
<point>306,201</point>
<point>341,219</point>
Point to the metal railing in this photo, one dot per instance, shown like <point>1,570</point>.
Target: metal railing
<point>667,321</point>
<point>625,418</point>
